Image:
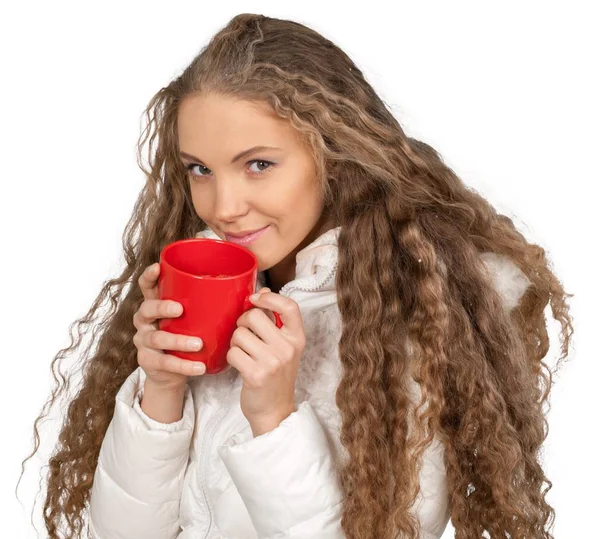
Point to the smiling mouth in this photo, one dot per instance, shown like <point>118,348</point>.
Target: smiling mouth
<point>249,238</point>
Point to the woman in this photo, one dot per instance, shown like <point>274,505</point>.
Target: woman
<point>407,384</point>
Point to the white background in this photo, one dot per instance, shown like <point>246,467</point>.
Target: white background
<point>507,92</point>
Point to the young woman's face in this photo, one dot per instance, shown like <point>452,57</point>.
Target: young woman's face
<point>267,187</point>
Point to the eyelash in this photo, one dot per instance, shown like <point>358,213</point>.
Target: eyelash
<point>264,171</point>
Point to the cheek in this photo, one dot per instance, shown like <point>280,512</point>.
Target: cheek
<point>200,201</point>
<point>200,210</point>
<point>302,195</point>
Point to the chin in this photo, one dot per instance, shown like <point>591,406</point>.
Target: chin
<point>263,267</point>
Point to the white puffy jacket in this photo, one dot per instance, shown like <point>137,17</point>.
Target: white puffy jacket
<point>206,477</point>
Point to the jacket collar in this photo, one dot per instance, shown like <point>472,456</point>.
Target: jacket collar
<point>316,264</point>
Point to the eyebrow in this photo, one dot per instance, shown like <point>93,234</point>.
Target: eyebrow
<point>239,156</point>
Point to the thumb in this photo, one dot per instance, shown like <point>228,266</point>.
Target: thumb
<point>268,312</point>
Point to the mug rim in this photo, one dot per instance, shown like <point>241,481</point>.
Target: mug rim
<point>240,248</point>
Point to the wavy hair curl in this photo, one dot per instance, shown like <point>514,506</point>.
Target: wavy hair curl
<point>409,271</point>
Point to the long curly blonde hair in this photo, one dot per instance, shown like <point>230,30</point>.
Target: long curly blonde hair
<point>409,271</point>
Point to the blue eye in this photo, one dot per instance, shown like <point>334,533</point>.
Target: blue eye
<point>263,171</point>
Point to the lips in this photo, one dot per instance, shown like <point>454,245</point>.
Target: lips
<point>244,234</point>
<point>247,239</point>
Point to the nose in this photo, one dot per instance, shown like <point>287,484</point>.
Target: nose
<point>230,201</point>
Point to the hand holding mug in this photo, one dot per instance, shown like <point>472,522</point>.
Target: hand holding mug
<point>164,370</point>
<point>268,359</point>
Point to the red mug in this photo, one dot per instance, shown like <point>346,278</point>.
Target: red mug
<point>213,280</point>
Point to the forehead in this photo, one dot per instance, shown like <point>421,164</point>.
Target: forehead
<point>214,123</point>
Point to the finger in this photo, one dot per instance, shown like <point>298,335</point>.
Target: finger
<point>241,361</point>
<point>164,340</point>
<point>253,344</point>
<point>153,360</point>
<point>288,310</point>
<point>271,316</point>
<point>147,281</point>
<point>261,323</point>
<point>153,309</point>
<point>181,366</point>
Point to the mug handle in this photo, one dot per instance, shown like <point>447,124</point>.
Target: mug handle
<point>278,321</point>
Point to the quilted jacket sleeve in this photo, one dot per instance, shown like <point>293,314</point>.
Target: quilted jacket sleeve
<point>141,466</point>
<point>287,479</point>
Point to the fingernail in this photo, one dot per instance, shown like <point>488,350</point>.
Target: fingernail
<point>254,297</point>
<point>199,368</point>
<point>194,344</point>
<point>175,308</point>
